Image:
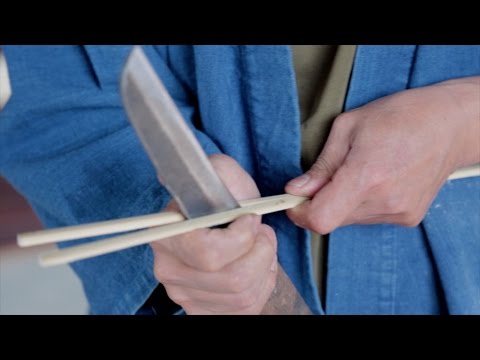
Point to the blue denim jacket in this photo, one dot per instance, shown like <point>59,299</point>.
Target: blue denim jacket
<point>66,145</point>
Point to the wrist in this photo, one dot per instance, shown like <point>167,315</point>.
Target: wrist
<point>464,96</point>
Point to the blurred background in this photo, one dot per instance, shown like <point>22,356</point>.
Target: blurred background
<point>25,287</point>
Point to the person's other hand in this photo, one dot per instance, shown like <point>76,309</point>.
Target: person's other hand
<point>385,162</point>
<point>221,271</point>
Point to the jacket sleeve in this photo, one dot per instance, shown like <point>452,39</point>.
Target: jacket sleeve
<point>66,145</point>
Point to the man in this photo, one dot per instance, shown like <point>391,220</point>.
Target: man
<point>72,153</point>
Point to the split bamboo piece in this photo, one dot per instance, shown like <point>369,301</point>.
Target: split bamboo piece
<point>67,233</point>
<point>162,225</point>
<point>102,247</point>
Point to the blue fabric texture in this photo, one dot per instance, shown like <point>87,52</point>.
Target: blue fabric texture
<point>435,267</point>
<point>66,145</point>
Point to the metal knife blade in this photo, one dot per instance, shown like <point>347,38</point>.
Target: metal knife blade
<point>181,164</point>
<point>5,88</point>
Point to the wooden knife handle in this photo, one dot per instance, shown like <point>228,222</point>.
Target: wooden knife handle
<point>285,299</point>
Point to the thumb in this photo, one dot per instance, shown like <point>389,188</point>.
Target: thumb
<point>327,163</point>
<point>234,177</point>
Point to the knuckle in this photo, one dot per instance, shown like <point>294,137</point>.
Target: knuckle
<point>189,309</point>
<point>296,216</point>
<point>189,240</point>
<point>240,280</point>
<point>203,254</point>
<point>321,165</point>
<point>270,237</point>
<point>243,240</point>
<point>273,245</point>
<point>411,219</point>
<point>300,214</point>
<point>183,243</point>
<point>317,222</point>
<point>342,120</point>
<point>395,204</point>
<point>375,177</point>
<point>163,273</point>
<point>177,296</point>
<point>158,273</point>
<point>210,260</point>
<point>309,219</point>
<point>245,299</point>
<point>321,228</point>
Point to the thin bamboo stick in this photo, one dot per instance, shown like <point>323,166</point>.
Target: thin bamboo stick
<point>102,247</point>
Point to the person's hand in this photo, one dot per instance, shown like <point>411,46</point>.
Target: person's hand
<point>221,271</point>
<point>385,162</point>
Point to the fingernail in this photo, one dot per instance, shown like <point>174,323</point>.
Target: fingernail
<point>300,181</point>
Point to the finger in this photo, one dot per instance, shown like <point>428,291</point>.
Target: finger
<point>332,204</point>
<point>172,206</point>
<point>270,234</point>
<point>260,295</point>
<point>211,249</point>
<point>236,179</point>
<point>330,159</point>
<point>201,301</point>
<point>250,301</point>
<point>234,278</point>
<point>263,296</point>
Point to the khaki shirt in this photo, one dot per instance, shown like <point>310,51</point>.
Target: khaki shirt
<point>322,74</point>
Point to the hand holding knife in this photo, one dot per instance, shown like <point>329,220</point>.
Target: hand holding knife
<point>187,174</point>
<point>184,169</point>
<point>181,164</point>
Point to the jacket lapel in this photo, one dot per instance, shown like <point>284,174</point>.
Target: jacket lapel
<point>379,71</point>
<point>360,255</point>
<point>271,103</point>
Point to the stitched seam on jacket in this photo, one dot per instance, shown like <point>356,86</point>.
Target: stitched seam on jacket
<point>246,90</point>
